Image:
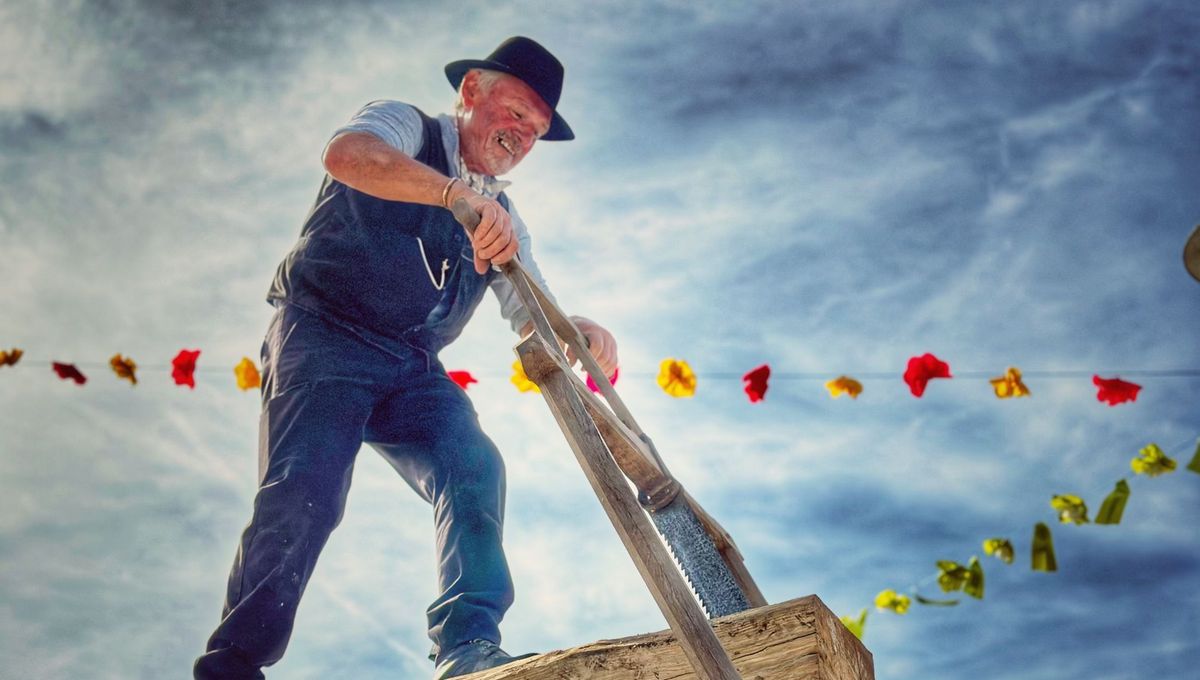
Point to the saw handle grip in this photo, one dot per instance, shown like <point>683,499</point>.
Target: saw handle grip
<point>465,215</point>
<point>469,219</point>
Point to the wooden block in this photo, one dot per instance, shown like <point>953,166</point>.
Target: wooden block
<point>795,640</point>
<point>699,644</point>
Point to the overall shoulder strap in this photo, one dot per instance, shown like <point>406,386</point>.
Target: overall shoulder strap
<point>432,151</point>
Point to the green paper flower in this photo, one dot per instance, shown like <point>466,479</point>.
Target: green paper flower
<point>1194,466</point>
<point>974,585</point>
<point>952,576</point>
<point>1070,507</point>
<point>1000,548</point>
<point>1152,462</point>
<point>856,626</point>
<point>890,599</point>
<point>1043,549</point>
<point>1114,505</point>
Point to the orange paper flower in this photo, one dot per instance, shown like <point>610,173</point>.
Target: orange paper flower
<point>922,369</point>
<point>844,385</point>
<point>11,357</point>
<point>1115,391</point>
<point>1010,384</point>
<point>461,378</point>
<point>68,372</point>
<point>756,383</point>
<point>676,378</point>
<point>247,374</point>
<point>183,367</point>
<point>125,368</point>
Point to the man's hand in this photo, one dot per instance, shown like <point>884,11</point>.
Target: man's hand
<point>494,240</point>
<point>603,345</point>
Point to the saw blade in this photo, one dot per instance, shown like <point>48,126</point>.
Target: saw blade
<point>699,560</point>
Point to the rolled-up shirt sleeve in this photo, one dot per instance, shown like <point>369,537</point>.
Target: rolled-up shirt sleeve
<point>510,305</point>
<point>396,123</point>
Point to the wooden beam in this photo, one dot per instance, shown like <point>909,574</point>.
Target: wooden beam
<point>795,640</point>
<point>699,645</point>
<point>656,484</point>
<point>630,452</point>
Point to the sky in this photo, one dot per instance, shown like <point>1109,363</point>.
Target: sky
<point>828,188</point>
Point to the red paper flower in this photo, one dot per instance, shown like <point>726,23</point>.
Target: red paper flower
<point>1114,390</point>
<point>461,378</point>
<point>595,388</point>
<point>756,382</point>
<point>183,367</point>
<point>922,369</point>
<point>69,372</point>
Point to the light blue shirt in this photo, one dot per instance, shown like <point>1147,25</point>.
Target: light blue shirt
<point>399,126</point>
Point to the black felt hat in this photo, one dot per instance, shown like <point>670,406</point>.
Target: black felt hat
<point>1191,254</point>
<point>532,63</point>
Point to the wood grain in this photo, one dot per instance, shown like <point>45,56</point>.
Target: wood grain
<point>795,640</point>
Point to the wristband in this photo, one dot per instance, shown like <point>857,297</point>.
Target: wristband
<point>446,193</point>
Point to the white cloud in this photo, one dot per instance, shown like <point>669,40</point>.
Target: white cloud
<point>866,218</point>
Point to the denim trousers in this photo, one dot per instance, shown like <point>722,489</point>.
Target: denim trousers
<point>328,387</point>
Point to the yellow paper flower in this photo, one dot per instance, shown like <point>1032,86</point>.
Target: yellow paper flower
<point>856,625</point>
<point>11,357</point>
<point>890,599</point>
<point>1010,385</point>
<point>676,378</point>
<point>521,380</point>
<point>1000,548</point>
<point>1152,462</point>
<point>125,368</point>
<point>1071,508</point>
<point>844,385</point>
<point>247,374</point>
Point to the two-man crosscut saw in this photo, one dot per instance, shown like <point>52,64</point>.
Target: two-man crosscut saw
<point>703,551</point>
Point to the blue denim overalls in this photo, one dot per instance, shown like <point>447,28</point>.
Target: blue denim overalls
<point>350,357</point>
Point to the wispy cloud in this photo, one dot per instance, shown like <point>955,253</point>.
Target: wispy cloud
<point>825,188</point>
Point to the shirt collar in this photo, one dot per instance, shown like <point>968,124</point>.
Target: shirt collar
<point>485,184</point>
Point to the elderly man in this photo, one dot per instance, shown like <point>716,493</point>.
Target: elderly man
<point>381,279</point>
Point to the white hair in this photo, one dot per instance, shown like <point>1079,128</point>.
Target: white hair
<point>487,78</point>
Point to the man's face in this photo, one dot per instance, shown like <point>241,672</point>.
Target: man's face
<point>498,127</point>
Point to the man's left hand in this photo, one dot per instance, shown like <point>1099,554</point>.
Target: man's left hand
<point>602,344</point>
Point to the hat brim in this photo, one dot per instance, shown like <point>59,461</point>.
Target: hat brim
<point>1191,254</point>
<point>457,70</point>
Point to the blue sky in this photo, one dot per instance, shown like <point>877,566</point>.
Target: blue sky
<point>826,187</point>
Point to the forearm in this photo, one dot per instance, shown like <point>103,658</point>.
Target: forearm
<point>364,162</point>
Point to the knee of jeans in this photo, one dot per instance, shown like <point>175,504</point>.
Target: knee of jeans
<point>476,461</point>
<point>316,496</point>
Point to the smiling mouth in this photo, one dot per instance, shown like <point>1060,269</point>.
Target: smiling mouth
<point>505,143</point>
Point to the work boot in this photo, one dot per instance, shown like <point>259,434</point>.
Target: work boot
<point>473,656</point>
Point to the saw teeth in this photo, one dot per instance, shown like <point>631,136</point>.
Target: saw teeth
<point>688,580</point>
